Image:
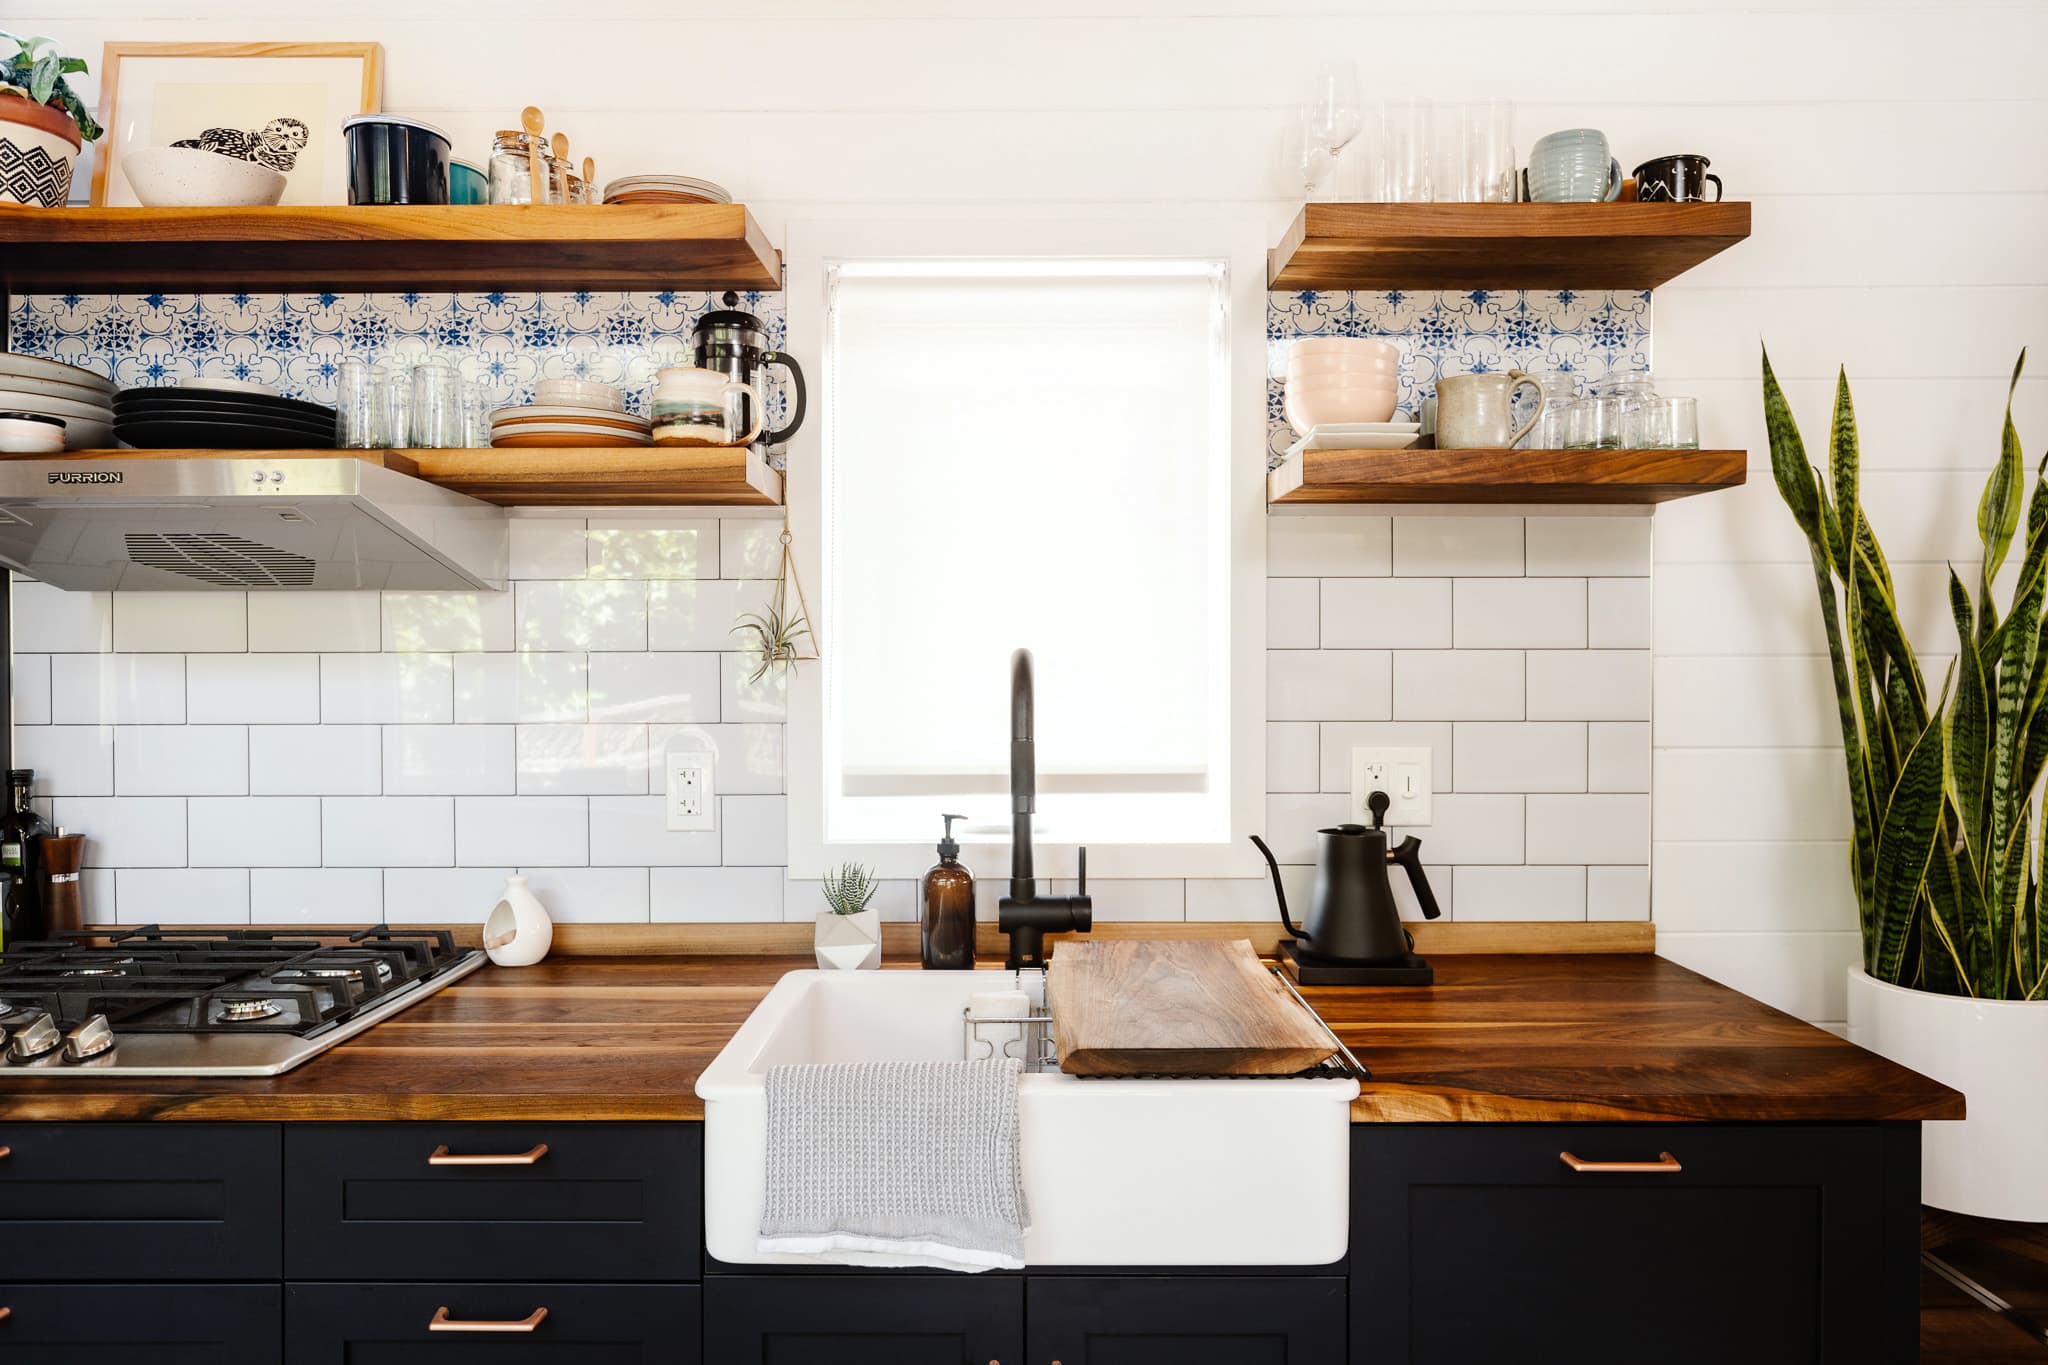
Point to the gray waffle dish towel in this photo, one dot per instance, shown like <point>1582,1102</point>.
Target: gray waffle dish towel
<point>896,1163</point>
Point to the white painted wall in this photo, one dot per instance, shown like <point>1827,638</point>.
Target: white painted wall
<point>1892,151</point>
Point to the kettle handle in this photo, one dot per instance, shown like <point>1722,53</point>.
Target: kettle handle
<point>1280,892</point>
<point>1408,853</point>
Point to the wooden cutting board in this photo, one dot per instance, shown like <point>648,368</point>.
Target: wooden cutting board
<point>1139,1007</point>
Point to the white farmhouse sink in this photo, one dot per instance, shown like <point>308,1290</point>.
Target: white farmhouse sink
<point>1116,1172</point>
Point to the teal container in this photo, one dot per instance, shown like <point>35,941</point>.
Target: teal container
<point>467,184</point>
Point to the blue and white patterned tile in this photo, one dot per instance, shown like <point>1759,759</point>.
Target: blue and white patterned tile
<point>1588,332</point>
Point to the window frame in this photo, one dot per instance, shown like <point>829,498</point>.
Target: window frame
<point>1237,240</point>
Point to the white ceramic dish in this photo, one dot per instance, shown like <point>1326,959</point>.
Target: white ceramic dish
<point>186,177</point>
<point>25,436</point>
<point>568,412</point>
<point>50,388</point>
<point>14,367</point>
<point>568,429</point>
<point>15,400</point>
<point>579,393</point>
<point>221,384</point>
<point>1328,437</point>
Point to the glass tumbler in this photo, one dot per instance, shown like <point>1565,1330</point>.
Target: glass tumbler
<point>1408,132</point>
<point>394,384</point>
<point>358,406</point>
<point>1669,423</point>
<point>1486,142</point>
<point>1560,388</point>
<point>1593,424</point>
<point>436,418</point>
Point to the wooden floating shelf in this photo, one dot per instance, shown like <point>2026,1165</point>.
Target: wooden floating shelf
<point>581,476</point>
<point>1503,476</point>
<point>425,248</point>
<point>1500,246</point>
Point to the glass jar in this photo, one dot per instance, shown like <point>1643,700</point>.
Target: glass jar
<point>1560,387</point>
<point>1633,390</point>
<point>512,169</point>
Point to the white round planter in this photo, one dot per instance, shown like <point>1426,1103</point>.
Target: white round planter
<point>1994,1051</point>
<point>38,151</point>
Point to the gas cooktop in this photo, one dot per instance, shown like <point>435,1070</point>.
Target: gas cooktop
<point>209,1002</point>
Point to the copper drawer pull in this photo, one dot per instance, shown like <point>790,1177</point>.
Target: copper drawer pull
<point>1665,1164</point>
<point>441,1322</point>
<point>441,1156</point>
<point>5,1314</point>
<point>6,1152</point>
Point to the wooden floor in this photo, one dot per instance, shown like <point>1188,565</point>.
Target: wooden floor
<point>2010,1260</point>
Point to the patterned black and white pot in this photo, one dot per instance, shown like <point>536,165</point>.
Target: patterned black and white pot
<point>38,151</point>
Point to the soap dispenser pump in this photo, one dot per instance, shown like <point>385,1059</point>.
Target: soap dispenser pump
<point>946,896</point>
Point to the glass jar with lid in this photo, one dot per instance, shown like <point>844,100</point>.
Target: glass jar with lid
<point>1634,390</point>
<point>512,169</point>
<point>1560,387</point>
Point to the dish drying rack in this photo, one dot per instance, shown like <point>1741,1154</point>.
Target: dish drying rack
<point>1028,1037</point>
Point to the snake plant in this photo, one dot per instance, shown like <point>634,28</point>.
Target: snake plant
<point>849,889</point>
<point>1941,787</point>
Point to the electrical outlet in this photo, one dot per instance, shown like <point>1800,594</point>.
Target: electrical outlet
<point>691,795</point>
<point>1403,774</point>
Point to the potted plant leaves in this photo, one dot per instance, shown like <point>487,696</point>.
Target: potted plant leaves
<point>849,933</point>
<point>43,125</point>
<point>1943,850</point>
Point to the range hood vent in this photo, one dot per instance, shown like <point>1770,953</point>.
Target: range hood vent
<point>219,559</point>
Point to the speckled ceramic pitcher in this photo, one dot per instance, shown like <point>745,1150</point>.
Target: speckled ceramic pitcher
<point>1477,411</point>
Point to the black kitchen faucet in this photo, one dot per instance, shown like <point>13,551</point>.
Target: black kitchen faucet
<point>1024,915</point>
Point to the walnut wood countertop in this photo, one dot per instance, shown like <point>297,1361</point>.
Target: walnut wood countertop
<point>1500,1038</point>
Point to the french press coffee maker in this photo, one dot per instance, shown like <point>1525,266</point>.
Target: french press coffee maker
<point>735,343</point>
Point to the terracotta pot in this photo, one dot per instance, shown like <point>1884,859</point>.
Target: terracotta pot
<point>38,151</point>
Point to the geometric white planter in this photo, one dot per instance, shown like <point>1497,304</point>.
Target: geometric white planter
<point>1993,1164</point>
<point>38,151</point>
<point>849,942</point>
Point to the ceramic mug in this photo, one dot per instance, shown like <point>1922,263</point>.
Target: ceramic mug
<point>694,407</point>
<point>1477,411</point>
<point>1573,167</point>
<point>1676,180</point>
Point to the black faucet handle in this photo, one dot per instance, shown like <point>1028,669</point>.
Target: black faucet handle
<point>1081,872</point>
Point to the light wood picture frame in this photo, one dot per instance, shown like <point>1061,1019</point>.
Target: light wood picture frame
<point>141,83</point>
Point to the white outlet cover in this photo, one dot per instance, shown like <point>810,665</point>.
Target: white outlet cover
<point>690,789</point>
<point>1403,774</point>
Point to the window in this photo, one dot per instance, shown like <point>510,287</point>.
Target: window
<point>1025,451</point>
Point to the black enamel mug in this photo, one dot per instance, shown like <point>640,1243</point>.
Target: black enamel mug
<point>1676,180</point>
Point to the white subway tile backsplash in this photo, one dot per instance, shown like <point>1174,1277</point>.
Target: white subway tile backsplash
<point>1292,612</point>
<point>387,831</point>
<point>386,689</point>
<point>709,895</point>
<point>448,760</point>
<point>1239,900</point>
<point>1293,756</point>
<point>748,759</point>
<point>591,895</point>
<point>1458,684</point>
<point>31,689</point>
<point>756,829</point>
<point>1339,738</point>
<point>69,760</point>
<point>1516,756</point>
<point>315,760</point>
<point>1618,613</point>
<point>1386,613</point>
<point>1473,828</point>
<point>1328,546</point>
<point>315,622</point>
<point>48,620</point>
<point>1594,828</point>
<point>671,688</point>
<point>1783,702</point>
<point>749,548</point>
<point>254,831</point>
<point>1589,684</point>
<point>586,615</point>
<point>1613,547</point>
<point>1805,975</point>
<point>181,622</point>
<point>648,549</point>
<point>124,689</point>
<point>1134,899</point>
<point>500,689</point>
<point>252,689</point>
<point>422,622</point>
<point>700,613</point>
<point>1456,547</point>
<point>316,895</point>
<point>182,895</point>
<point>1520,893</point>
<point>1521,613</point>
<point>748,698</point>
<point>583,759</point>
<point>181,760</point>
<point>1751,794</point>
<point>1618,756</point>
<point>440,895</point>
<point>1755,886</point>
<point>1328,684</point>
<point>126,831</point>
<point>522,831</point>
<point>1617,893</point>
<point>632,831</point>
<point>548,548</point>
<point>1292,819</point>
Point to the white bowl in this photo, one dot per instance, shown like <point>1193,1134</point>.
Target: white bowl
<point>1357,346</point>
<point>19,436</point>
<point>579,393</point>
<point>186,177</point>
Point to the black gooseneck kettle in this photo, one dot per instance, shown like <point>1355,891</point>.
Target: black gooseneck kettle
<point>1352,919</point>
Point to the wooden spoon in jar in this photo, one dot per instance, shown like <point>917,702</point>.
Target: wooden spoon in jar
<point>561,146</point>
<point>590,181</point>
<point>530,120</point>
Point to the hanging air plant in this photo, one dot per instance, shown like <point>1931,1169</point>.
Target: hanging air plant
<point>776,632</point>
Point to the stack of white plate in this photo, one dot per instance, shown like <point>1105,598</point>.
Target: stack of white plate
<point>46,388</point>
<point>665,189</point>
<point>1360,436</point>
<point>541,426</point>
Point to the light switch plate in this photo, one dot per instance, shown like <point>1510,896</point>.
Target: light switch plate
<point>691,790</point>
<point>1403,774</point>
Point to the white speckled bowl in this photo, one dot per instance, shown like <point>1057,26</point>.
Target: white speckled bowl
<point>24,434</point>
<point>186,177</point>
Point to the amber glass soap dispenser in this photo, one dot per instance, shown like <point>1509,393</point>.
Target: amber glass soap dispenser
<point>947,895</point>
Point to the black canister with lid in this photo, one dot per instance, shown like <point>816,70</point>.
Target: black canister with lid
<point>395,160</point>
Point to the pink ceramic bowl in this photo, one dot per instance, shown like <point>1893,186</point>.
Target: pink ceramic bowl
<point>1315,408</point>
<point>1348,346</point>
<point>1339,366</point>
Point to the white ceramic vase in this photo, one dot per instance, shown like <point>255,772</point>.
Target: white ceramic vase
<point>1996,1053</point>
<point>849,942</point>
<point>38,151</point>
<point>518,932</point>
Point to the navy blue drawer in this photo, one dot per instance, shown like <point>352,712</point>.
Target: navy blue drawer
<point>140,1201</point>
<point>617,1202</point>
<point>140,1324</point>
<point>583,1324</point>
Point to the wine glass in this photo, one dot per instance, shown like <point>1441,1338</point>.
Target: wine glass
<point>1332,115</point>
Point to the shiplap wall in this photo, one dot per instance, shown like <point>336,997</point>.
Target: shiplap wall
<point>1892,151</point>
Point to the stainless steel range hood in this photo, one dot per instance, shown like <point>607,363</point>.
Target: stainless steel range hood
<point>182,524</point>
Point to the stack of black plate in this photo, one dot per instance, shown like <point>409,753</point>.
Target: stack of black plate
<point>224,419</point>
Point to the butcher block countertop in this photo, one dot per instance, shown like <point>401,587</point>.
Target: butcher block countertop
<point>1499,1038</point>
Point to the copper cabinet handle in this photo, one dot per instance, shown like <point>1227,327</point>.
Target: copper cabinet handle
<point>441,1156</point>
<point>1665,1164</point>
<point>6,1313</point>
<point>441,1322</point>
<point>6,1152</point>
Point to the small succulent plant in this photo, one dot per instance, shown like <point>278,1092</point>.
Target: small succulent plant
<point>39,76</point>
<point>849,888</point>
<point>773,636</point>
